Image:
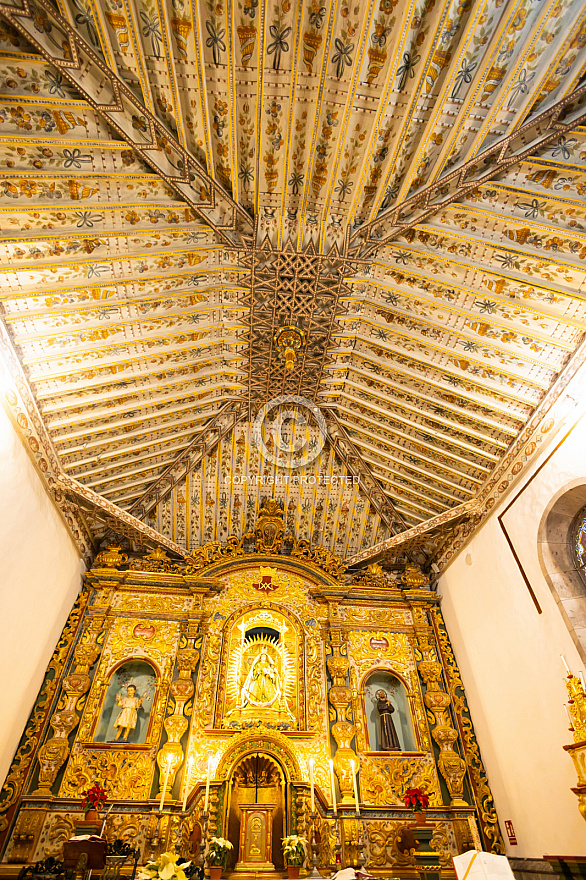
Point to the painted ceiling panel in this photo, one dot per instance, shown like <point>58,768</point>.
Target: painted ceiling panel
<point>181,178</point>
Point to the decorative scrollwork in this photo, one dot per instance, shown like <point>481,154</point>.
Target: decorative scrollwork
<point>201,557</point>
<point>321,557</point>
<point>32,734</point>
<point>157,560</point>
<point>489,826</point>
<point>384,781</point>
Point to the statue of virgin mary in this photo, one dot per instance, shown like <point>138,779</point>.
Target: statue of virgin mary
<point>263,684</point>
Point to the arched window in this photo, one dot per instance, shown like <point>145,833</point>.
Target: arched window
<point>562,553</point>
<point>579,541</point>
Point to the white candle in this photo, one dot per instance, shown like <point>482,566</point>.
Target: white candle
<point>570,722</point>
<point>581,677</point>
<point>164,788</point>
<point>566,667</point>
<point>354,779</point>
<point>333,786</point>
<point>205,806</point>
<point>311,785</point>
<point>187,777</point>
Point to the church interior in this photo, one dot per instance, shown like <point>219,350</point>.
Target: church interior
<point>292,344</point>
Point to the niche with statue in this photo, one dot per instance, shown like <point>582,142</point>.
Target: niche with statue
<point>127,704</point>
<point>388,714</point>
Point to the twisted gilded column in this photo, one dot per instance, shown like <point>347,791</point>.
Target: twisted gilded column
<point>577,750</point>
<point>451,765</point>
<point>340,696</point>
<point>182,689</point>
<point>55,751</point>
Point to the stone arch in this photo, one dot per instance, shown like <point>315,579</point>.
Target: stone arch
<point>558,562</point>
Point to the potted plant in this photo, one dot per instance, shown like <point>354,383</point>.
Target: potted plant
<point>294,854</point>
<point>418,800</point>
<point>218,852</point>
<point>165,867</point>
<point>93,800</point>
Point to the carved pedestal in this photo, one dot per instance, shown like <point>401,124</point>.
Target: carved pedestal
<point>256,835</point>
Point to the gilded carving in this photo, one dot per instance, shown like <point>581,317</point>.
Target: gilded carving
<point>367,647</point>
<point>27,747</point>
<point>382,837</point>
<point>321,557</point>
<point>489,826</point>
<point>170,757</point>
<point>451,765</point>
<point>145,603</point>
<point>343,730</point>
<point>269,528</point>
<point>413,578</point>
<point>143,638</point>
<point>111,557</point>
<point>374,576</point>
<point>384,781</point>
<point>53,754</point>
<point>207,676</point>
<point>61,828</point>
<point>126,774</point>
<point>25,834</point>
<point>124,826</point>
<point>201,557</point>
<point>156,561</point>
<point>387,617</point>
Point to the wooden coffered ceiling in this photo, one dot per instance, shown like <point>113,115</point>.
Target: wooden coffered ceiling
<point>402,180</point>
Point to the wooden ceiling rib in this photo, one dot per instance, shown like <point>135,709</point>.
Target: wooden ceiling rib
<point>405,182</point>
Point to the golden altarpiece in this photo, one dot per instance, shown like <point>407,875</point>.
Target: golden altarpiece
<point>251,660</point>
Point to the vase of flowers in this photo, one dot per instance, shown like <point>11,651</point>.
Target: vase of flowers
<point>93,800</point>
<point>165,867</point>
<point>294,854</point>
<point>418,800</point>
<point>218,852</point>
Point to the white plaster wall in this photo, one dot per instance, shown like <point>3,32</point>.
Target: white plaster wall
<point>40,577</point>
<point>509,656</point>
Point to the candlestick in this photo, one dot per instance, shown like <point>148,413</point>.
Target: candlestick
<point>315,874</point>
<point>155,837</point>
<point>361,859</point>
<point>187,775</point>
<point>311,785</point>
<point>571,723</point>
<point>164,788</point>
<point>203,842</point>
<point>332,783</point>
<point>205,806</point>
<point>566,667</point>
<point>354,775</point>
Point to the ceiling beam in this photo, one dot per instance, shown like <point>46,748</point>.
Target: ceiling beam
<point>538,132</point>
<point>111,98</point>
<point>202,444</point>
<point>116,519</point>
<point>353,460</point>
<point>468,508</point>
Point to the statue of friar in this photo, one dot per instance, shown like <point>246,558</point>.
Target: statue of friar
<point>389,741</point>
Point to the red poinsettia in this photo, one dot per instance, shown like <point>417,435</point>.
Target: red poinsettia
<point>94,798</point>
<point>417,799</point>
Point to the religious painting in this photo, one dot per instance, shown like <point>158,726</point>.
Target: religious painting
<point>262,673</point>
<point>388,716</point>
<point>126,709</point>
